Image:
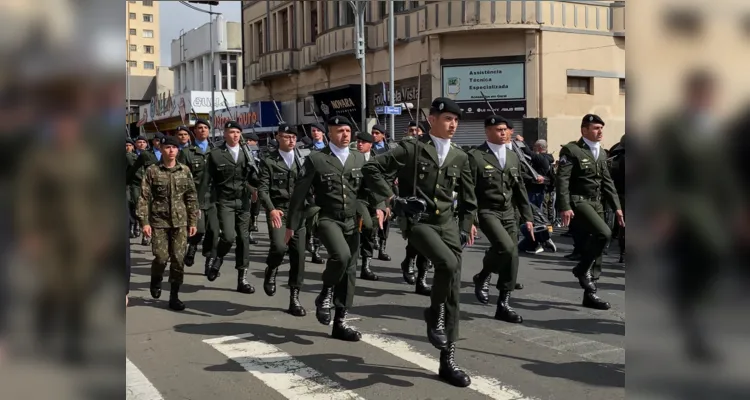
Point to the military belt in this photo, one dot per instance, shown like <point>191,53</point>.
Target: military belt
<point>337,215</point>
<point>576,197</point>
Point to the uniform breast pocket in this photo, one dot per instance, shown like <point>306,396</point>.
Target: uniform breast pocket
<point>327,181</point>
<point>488,176</point>
<point>515,176</point>
<point>356,176</point>
<point>161,189</point>
<point>183,184</point>
<point>451,176</point>
<point>225,171</point>
<point>280,180</point>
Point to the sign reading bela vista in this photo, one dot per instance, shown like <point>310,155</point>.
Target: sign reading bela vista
<point>496,81</point>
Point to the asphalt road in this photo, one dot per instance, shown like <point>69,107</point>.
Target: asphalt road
<point>228,345</point>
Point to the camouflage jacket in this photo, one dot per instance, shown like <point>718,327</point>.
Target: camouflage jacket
<point>168,197</point>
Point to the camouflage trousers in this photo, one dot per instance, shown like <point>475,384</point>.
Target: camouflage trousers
<point>169,244</point>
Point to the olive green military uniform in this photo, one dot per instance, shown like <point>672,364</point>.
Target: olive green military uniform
<point>230,183</point>
<point>129,192</point>
<point>277,182</point>
<point>336,189</point>
<point>169,204</point>
<point>208,222</point>
<point>436,235</point>
<point>134,177</point>
<point>583,183</point>
<point>311,224</point>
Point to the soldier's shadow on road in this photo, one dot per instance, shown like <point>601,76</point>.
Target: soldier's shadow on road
<point>574,285</point>
<point>403,312</point>
<point>605,272</point>
<point>586,372</point>
<point>328,364</point>
<point>203,308</point>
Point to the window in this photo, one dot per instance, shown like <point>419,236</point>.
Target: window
<point>148,65</point>
<point>579,85</point>
<point>229,72</point>
<point>131,15</point>
<point>148,3</point>
<point>284,18</point>
<point>383,7</point>
<point>133,47</point>
<point>413,5</point>
<point>133,64</point>
<point>313,22</point>
<point>148,17</point>
<point>148,49</point>
<point>148,33</point>
<point>261,42</point>
<point>133,32</point>
<point>337,13</point>
<point>348,15</point>
<point>399,6</point>
<point>622,85</point>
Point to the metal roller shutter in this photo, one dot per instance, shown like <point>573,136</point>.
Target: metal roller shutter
<point>401,122</point>
<point>471,133</point>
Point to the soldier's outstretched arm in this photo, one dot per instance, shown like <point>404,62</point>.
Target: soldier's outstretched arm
<point>382,170</point>
<point>133,169</point>
<point>144,202</point>
<point>191,202</point>
<point>302,187</point>
<point>264,185</point>
<point>564,172</point>
<point>467,198</point>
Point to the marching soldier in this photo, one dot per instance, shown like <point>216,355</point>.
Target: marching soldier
<point>252,140</point>
<point>335,176</point>
<point>380,145</point>
<point>195,157</point>
<point>318,133</point>
<point>168,211</point>
<point>231,170</point>
<point>183,136</point>
<point>367,238</point>
<point>279,173</point>
<point>433,168</point>
<point>146,158</point>
<point>499,187</point>
<point>583,183</point>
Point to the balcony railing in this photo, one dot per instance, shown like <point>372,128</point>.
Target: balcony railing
<point>278,62</point>
<point>335,42</point>
<point>253,70</point>
<point>308,56</point>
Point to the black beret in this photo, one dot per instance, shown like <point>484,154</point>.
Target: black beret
<point>287,128</point>
<point>364,136</point>
<point>444,104</point>
<point>424,127</point>
<point>493,120</point>
<point>591,119</point>
<point>379,128</point>
<point>170,141</point>
<point>202,121</point>
<point>318,126</point>
<point>233,124</point>
<point>141,138</point>
<point>251,136</point>
<point>339,121</point>
<point>129,140</point>
<point>183,128</point>
<point>158,135</point>
<point>414,124</point>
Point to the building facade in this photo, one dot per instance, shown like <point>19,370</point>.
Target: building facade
<point>191,58</point>
<point>142,35</point>
<point>544,64</point>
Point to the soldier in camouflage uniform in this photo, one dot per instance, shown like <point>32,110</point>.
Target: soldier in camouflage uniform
<point>134,174</point>
<point>168,211</point>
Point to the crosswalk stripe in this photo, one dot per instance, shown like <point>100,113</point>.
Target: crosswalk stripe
<point>487,386</point>
<point>138,387</point>
<point>280,370</point>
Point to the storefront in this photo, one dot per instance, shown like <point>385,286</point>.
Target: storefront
<point>343,101</point>
<point>259,117</point>
<point>501,79</point>
<point>167,112</point>
<point>409,90</point>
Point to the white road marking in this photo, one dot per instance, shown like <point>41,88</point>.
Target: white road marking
<point>137,386</point>
<point>279,370</point>
<point>487,386</point>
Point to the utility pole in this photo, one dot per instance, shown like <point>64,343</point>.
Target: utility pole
<point>359,8</point>
<point>391,67</point>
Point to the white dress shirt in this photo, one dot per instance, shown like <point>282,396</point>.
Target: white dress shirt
<point>594,146</point>
<point>367,156</point>
<point>443,146</point>
<point>288,157</point>
<point>235,151</point>
<point>500,151</point>
<point>341,154</point>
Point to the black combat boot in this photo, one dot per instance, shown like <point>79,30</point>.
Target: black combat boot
<point>519,286</point>
<point>316,258</point>
<point>323,305</point>
<point>213,271</point>
<point>435,318</point>
<point>174,301</point>
<point>310,244</point>
<point>252,240</point>
<point>482,287</point>
<point>382,255</point>
<point>189,259</point>
<point>504,311</point>
<point>269,281</point>
<point>295,307</point>
<point>449,371</point>
<point>133,231</point>
<point>155,286</point>
<point>342,330</point>
<point>422,287</point>
<point>407,270</point>
<point>254,225</point>
<point>591,300</point>
<point>145,241</point>
<point>243,286</point>
<point>209,262</point>
<point>585,279</point>
<point>366,272</point>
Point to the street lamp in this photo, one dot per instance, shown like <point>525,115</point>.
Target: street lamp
<point>211,14</point>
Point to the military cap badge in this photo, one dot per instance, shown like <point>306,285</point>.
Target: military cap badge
<point>492,121</point>
<point>336,121</point>
<point>441,106</point>
<point>591,117</point>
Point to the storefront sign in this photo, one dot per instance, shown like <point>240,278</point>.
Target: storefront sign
<point>343,101</point>
<point>167,105</point>
<point>260,116</point>
<point>473,110</point>
<point>496,81</point>
<point>401,94</point>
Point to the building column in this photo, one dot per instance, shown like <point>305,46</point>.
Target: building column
<point>533,75</point>
<point>434,68</point>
